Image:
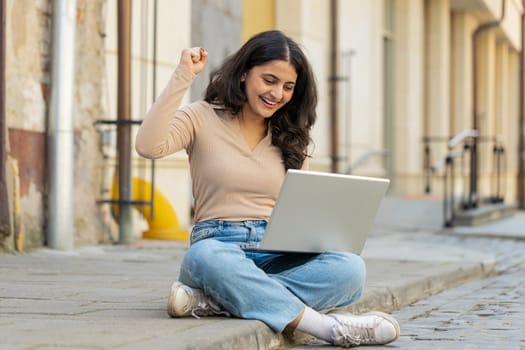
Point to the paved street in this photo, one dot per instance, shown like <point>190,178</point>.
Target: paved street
<point>484,314</point>
<point>487,314</point>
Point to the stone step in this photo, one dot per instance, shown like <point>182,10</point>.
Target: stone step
<point>484,213</point>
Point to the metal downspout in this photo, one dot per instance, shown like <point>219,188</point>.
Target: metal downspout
<point>333,81</point>
<point>60,133</point>
<point>124,121</point>
<point>521,120</point>
<point>473,197</point>
<point>4,198</point>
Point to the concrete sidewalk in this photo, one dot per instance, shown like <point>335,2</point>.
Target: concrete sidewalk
<point>114,297</point>
<point>426,214</point>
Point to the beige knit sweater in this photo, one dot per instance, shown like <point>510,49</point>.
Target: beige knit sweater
<point>230,181</point>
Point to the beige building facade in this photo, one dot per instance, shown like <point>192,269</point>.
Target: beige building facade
<point>406,72</point>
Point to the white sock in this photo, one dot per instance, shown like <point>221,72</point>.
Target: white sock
<point>316,324</point>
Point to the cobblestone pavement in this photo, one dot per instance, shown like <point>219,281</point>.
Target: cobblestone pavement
<point>485,314</point>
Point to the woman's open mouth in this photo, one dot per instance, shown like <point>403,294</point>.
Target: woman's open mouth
<point>269,103</point>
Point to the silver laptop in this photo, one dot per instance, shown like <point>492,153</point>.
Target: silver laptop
<point>318,212</point>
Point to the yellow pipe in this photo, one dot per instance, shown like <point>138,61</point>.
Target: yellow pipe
<point>165,223</point>
<point>19,238</point>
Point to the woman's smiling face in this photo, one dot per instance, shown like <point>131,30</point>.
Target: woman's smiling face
<point>268,87</point>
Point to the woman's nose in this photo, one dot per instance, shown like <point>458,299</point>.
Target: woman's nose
<point>277,92</point>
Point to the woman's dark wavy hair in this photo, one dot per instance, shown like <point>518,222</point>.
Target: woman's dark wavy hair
<point>291,124</point>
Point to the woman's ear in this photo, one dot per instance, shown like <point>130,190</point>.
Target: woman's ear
<point>243,77</point>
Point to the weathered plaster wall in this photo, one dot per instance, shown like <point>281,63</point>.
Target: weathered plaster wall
<point>28,43</point>
<point>27,77</point>
<point>216,26</point>
<point>92,222</point>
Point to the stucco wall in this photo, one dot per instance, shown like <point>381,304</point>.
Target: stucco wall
<point>216,26</point>
<point>28,43</point>
<point>91,220</point>
<point>27,77</point>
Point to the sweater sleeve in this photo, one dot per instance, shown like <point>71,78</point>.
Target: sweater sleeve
<point>166,129</point>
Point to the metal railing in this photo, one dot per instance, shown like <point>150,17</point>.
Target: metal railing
<point>365,157</point>
<point>500,163</point>
<point>460,148</point>
<point>119,201</point>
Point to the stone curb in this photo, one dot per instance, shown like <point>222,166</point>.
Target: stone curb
<point>256,335</point>
<point>392,298</point>
<point>488,235</point>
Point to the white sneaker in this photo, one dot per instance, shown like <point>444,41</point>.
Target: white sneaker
<point>185,301</point>
<point>374,328</point>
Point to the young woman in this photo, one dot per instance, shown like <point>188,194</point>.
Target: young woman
<point>253,125</point>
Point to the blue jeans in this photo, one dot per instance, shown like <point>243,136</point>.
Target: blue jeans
<point>273,288</point>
